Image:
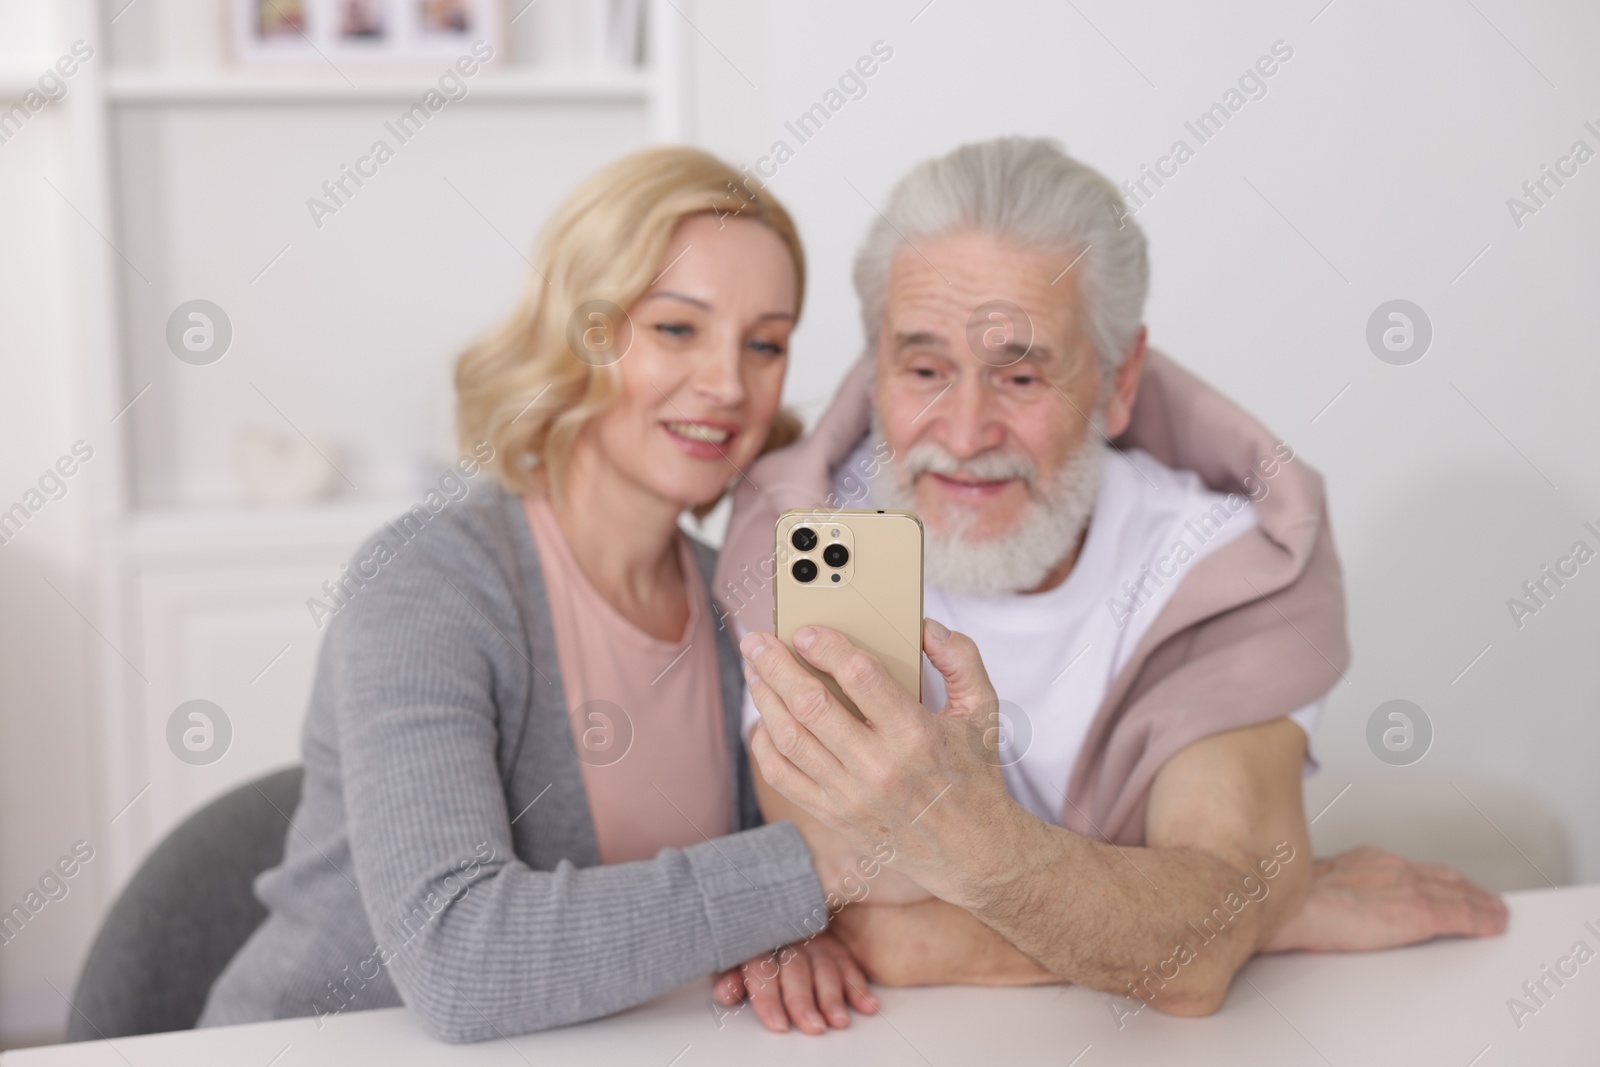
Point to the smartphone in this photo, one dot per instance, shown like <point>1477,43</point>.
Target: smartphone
<point>858,572</point>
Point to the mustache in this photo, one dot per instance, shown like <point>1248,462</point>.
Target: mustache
<point>929,457</point>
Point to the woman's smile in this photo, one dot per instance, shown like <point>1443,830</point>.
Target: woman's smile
<point>701,439</point>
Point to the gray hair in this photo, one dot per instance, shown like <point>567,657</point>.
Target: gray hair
<point>1030,191</point>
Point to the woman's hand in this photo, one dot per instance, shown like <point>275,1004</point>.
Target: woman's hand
<point>808,982</point>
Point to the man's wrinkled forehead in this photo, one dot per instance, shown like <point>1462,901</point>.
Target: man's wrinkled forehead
<point>1008,351</point>
<point>979,297</point>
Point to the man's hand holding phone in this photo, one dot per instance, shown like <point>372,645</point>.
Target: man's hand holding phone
<point>920,782</point>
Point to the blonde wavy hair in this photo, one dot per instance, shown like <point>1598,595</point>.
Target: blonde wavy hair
<point>522,389</point>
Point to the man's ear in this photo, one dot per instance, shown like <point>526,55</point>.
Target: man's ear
<point>1125,387</point>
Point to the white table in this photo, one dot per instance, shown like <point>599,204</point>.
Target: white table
<point>1442,1003</point>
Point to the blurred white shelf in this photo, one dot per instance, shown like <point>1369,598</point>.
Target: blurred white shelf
<point>148,534</point>
<point>204,87</point>
<point>15,82</point>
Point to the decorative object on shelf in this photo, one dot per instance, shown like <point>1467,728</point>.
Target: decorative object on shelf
<point>392,31</point>
<point>280,469</point>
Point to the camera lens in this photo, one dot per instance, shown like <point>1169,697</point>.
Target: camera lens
<point>836,555</point>
<point>804,538</point>
<point>804,570</point>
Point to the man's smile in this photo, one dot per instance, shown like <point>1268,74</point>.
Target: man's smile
<point>968,488</point>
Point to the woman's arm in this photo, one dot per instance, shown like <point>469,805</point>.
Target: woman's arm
<point>423,654</point>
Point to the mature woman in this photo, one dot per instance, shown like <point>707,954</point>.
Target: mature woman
<point>526,802</point>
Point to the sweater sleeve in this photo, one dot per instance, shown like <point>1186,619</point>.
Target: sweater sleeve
<point>480,944</point>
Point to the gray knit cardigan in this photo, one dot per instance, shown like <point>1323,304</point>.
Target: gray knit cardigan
<point>442,855</point>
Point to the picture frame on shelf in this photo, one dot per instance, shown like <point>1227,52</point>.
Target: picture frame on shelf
<point>391,32</point>
<point>625,33</point>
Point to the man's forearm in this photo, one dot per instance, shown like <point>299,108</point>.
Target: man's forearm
<point>1063,908</point>
<point>933,943</point>
<point>1168,925</point>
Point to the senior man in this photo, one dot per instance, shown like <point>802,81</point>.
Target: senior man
<point>1141,593</point>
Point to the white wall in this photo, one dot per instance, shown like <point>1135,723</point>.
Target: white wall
<point>1387,147</point>
<point>48,798</point>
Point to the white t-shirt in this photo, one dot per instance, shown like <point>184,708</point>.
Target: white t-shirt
<point>1052,656</point>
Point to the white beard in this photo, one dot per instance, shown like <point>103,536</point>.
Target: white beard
<point>1019,559</point>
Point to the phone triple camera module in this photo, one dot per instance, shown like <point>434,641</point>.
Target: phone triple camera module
<point>804,570</point>
<point>836,555</point>
<point>804,539</point>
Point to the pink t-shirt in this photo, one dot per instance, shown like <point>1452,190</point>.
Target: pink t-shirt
<point>646,714</point>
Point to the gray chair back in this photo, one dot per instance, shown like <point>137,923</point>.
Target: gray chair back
<point>184,914</point>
